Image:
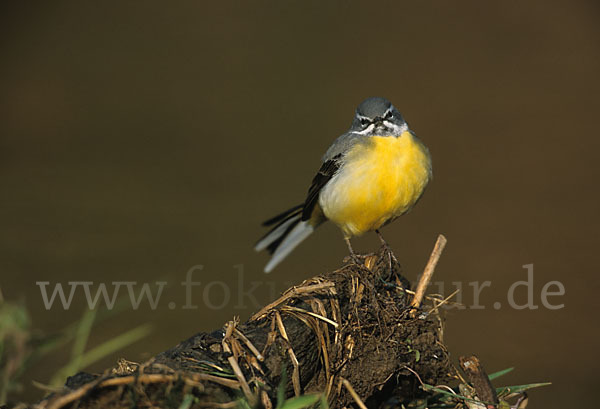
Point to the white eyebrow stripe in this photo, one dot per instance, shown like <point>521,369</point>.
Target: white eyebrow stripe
<point>365,131</point>
<point>397,129</point>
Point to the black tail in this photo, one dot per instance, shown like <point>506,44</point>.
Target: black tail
<point>283,224</point>
<point>282,216</point>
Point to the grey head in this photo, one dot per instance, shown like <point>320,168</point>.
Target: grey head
<point>377,116</point>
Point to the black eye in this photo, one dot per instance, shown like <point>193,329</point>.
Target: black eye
<point>364,121</point>
<point>389,115</point>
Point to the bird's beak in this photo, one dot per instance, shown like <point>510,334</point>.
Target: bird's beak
<point>378,122</point>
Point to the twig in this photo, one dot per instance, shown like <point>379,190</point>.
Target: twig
<point>264,399</point>
<point>323,333</point>
<point>296,371</point>
<point>312,314</point>
<point>414,373</point>
<point>249,344</point>
<point>357,398</point>
<point>444,301</point>
<point>291,293</point>
<point>428,272</point>
<point>234,364</point>
<point>131,379</point>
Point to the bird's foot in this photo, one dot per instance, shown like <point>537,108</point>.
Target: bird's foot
<point>390,253</point>
<point>387,249</point>
<point>358,259</point>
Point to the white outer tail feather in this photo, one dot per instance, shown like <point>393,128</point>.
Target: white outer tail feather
<point>275,234</point>
<point>301,231</point>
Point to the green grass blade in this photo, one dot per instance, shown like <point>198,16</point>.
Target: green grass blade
<point>115,344</point>
<point>81,337</point>
<point>281,388</point>
<point>243,404</point>
<point>301,402</point>
<point>520,388</point>
<point>102,351</point>
<point>69,332</point>
<point>499,373</point>
<point>445,393</point>
<point>187,401</point>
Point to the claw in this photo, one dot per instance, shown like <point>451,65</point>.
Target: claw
<point>387,248</point>
<point>356,258</point>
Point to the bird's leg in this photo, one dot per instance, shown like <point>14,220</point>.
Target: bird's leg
<point>387,248</point>
<point>355,257</point>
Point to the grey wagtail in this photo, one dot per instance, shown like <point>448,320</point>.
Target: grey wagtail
<point>369,176</point>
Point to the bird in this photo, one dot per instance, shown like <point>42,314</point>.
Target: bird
<point>369,176</point>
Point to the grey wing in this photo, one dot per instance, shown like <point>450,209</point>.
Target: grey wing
<point>342,144</point>
<point>328,170</point>
<point>333,160</point>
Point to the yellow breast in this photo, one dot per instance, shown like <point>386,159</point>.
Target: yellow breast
<point>378,182</point>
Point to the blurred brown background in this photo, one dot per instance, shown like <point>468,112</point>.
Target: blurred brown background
<point>138,139</point>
